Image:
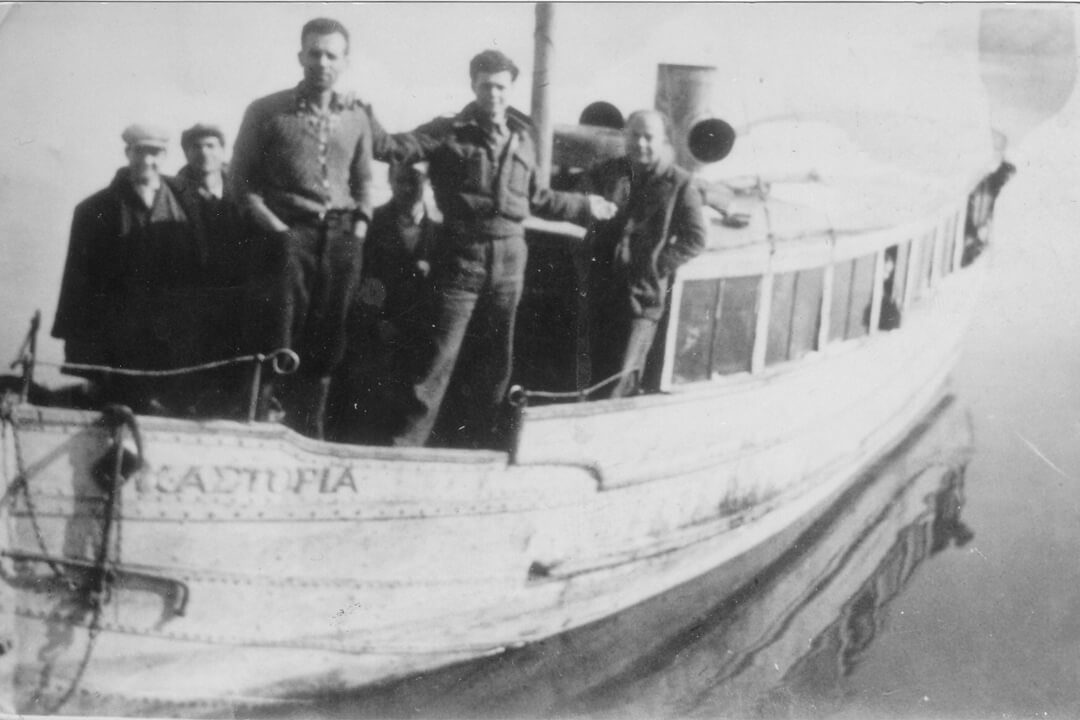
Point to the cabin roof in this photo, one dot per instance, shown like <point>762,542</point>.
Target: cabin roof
<point>794,179</point>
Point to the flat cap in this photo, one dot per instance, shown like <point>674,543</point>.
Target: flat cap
<point>140,135</point>
<point>199,131</point>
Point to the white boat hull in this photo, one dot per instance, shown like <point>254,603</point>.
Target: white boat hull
<point>312,567</point>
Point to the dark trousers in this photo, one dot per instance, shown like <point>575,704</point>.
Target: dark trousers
<point>639,336</point>
<point>478,285</point>
<point>314,273</point>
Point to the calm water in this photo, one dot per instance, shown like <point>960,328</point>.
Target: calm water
<point>885,614</point>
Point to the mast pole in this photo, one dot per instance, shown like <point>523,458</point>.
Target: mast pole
<point>543,48</point>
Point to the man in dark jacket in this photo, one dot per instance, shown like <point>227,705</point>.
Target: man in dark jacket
<point>205,178</point>
<point>483,172</point>
<point>391,322</point>
<point>204,149</point>
<point>659,227</point>
<point>136,249</point>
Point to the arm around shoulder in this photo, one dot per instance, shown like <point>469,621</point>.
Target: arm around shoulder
<point>406,147</point>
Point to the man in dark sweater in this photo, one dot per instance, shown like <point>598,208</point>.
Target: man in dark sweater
<point>391,323</point>
<point>301,170</point>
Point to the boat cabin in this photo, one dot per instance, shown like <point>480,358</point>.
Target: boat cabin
<point>794,281</point>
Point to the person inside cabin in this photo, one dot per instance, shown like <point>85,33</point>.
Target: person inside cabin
<point>135,248</point>
<point>392,319</point>
<point>483,170</point>
<point>889,318</point>
<point>980,211</point>
<point>658,227</point>
<point>301,171</point>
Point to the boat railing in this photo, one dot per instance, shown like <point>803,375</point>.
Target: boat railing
<point>282,361</point>
<point>26,357</point>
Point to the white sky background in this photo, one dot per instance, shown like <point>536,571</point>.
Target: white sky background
<point>73,75</point>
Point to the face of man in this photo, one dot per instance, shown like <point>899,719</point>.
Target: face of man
<point>206,154</point>
<point>646,142</point>
<point>144,163</point>
<point>492,92</point>
<point>324,58</point>
<point>407,184</point>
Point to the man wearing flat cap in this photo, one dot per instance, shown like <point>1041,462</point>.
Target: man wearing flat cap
<point>204,148</point>
<point>204,182</point>
<point>133,246</point>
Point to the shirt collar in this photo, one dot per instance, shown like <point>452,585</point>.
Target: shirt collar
<point>338,101</point>
<point>661,168</point>
<point>122,182</point>
<point>188,174</point>
<point>415,213</point>
<point>516,122</point>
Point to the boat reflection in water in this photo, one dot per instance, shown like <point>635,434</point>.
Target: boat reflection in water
<point>795,630</point>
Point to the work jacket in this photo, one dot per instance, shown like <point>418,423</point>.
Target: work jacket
<point>478,190</point>
<point>128,273</point>
<point>659,227</point>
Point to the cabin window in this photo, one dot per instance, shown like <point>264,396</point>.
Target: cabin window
<point>733,346</point>
<point>853,291</point>
<point>715,334</point>
<point>891,296</point>
<point>948,257</point>
<point>900,273</point>
<point>933,260</point>
<point>925,264</point>
<point>693,339</point>
<point>940,257</point>
<point>795,316</point>
<point>973,244</point>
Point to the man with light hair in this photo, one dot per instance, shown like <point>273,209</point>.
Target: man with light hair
<point>659,226</point>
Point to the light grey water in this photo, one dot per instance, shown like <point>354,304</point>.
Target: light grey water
<point>991,629</point>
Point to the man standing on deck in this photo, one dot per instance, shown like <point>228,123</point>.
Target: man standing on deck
<point>482,165</point>
<point>659,227</point>
<point>301,171</point>
<point>204,149</point>
<point>135,248</point>
<point>204,180</point>
<point>392,320</point>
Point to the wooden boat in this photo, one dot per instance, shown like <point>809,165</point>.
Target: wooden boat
<point>804,622</point>
<point>219,566</point>
<point>245,564</point>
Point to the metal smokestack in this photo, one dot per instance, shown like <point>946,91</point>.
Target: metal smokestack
<point>684,94</point>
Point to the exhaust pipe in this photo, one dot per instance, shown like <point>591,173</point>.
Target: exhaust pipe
<point>684,94</point>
